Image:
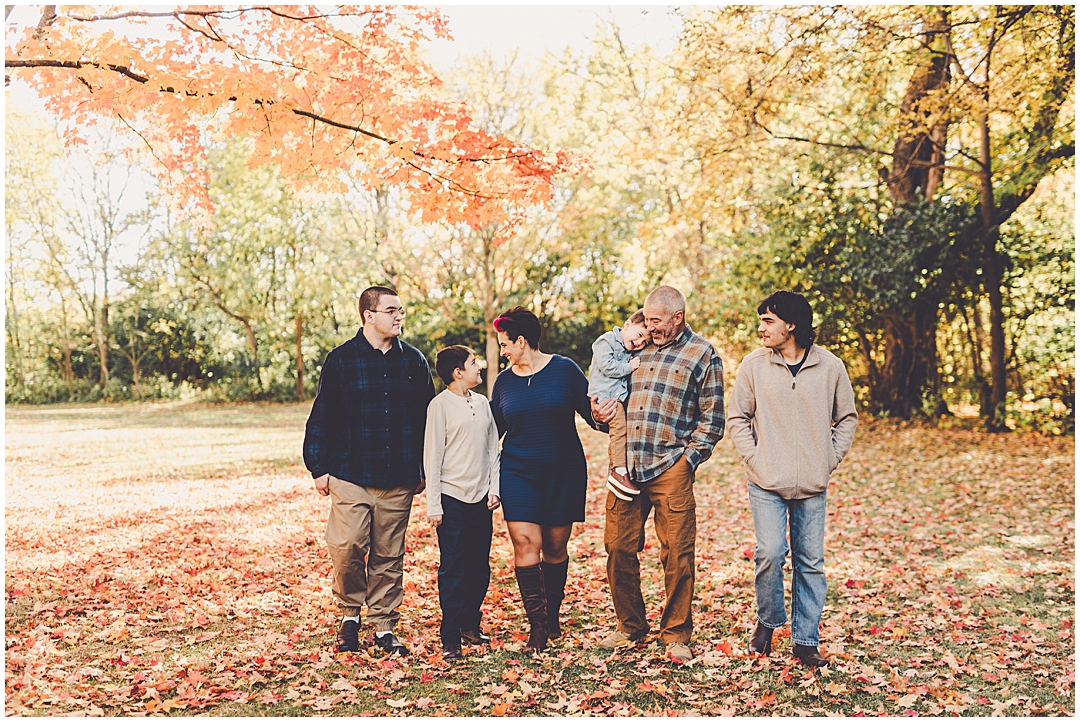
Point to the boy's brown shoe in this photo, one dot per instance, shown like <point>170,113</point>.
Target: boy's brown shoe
<point>621,486</point>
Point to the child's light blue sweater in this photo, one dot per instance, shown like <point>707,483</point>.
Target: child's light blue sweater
<point>609,373</point>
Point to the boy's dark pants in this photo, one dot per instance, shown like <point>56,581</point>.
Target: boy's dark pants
<point>464,574</point>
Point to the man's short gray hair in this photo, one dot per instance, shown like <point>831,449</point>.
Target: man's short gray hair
<point>668,298</point>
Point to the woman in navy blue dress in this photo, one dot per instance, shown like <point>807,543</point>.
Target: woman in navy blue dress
<point>543,475</point>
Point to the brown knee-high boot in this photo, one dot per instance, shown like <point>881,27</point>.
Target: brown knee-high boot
<point>554,584</point>
<point>531,583</point>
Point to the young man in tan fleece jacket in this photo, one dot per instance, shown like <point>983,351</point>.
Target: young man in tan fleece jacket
<point>792,419</point>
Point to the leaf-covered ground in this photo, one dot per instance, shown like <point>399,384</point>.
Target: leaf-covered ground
<point>170,559</point>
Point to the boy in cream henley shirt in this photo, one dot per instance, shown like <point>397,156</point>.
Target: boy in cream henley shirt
<point>461,459</point>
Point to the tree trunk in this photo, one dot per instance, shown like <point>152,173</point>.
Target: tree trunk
<point>994,416</point>
<point>910,365</point>
<point>67,371</point>
<point>135,373</point>
<point>13,335</point>
<point>252,343</point>
<point>985,395</point>
<point>975,339</point>
<point>299,357</point>
<point>491,355</point>
<point>102,346</point>
<point>490,298</point>
<point>865,348</point>
<point>918,154</point>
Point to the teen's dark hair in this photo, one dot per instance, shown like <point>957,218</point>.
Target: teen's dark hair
<point>792,307</point>
<point>449,359</point>
<point>369,299</point>
<point>517,322</point>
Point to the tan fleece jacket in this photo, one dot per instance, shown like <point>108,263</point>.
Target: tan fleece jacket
<point>792,431</point>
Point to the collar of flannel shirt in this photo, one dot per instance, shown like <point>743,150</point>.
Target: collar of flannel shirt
<point>365,345</point>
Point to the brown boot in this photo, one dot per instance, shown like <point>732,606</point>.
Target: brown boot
<point>554,584</point>
<point>809,656</point>
<point>531,583</point>
<point>761,640</point>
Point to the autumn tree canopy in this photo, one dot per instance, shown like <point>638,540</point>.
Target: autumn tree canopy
<point>319,93</point>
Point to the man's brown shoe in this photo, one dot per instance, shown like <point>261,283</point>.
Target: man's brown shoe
<point>809,656</point>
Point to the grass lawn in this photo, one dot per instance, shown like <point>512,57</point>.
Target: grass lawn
<point>169,559</point>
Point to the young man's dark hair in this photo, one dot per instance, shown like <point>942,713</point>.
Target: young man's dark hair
<point>520,321</point>
<point>791,307</point>
<point>449,359</point>
<point>369,299</point>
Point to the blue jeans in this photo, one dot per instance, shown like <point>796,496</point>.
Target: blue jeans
<point>772,515</point>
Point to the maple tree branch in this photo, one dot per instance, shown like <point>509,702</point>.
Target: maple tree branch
<point>74,65</point>
<point>228,14</point>
<point>216,37</point>
<point>127,72</point>
<point>149,146</point>
<point>48,17</point>
<point>867,149</point>
<point>343,126</point>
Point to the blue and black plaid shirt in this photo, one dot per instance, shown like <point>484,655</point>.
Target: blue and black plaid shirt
<point>367,423</point>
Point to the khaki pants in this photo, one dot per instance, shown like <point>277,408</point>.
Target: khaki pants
<point>671,496</point>
<point>616,448</point>
<point>366,538</point>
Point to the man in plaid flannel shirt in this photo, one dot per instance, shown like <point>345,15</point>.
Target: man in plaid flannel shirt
<point>675,416</point>
<point>364,446</point>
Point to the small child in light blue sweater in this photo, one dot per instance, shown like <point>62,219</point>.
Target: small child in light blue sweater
<point>609,378</point>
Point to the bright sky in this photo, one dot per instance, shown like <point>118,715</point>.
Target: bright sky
<point>534,29</point>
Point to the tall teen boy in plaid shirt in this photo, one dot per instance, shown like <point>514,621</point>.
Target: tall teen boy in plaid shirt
<point>675,416</point>
<point>364,447</point>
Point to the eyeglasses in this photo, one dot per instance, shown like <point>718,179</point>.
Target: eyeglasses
<point>399,312</point>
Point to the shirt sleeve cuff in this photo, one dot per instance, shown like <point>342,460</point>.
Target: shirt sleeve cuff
<point>693,457</point>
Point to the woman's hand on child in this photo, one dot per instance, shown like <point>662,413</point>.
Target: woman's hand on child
<point>436,519</point>
<point>493,502</point>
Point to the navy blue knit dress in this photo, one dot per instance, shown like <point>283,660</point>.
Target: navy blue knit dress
<point>543,475</point>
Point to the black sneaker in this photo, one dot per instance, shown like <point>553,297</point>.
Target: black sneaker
<point>452,654</point>
<point>347,640</point>
<point>388,643</point>
<point>474,636</point>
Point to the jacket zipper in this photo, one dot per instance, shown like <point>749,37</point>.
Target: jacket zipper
<point>798,447</point>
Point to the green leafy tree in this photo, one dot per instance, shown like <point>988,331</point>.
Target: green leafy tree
<point>966,103</point>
